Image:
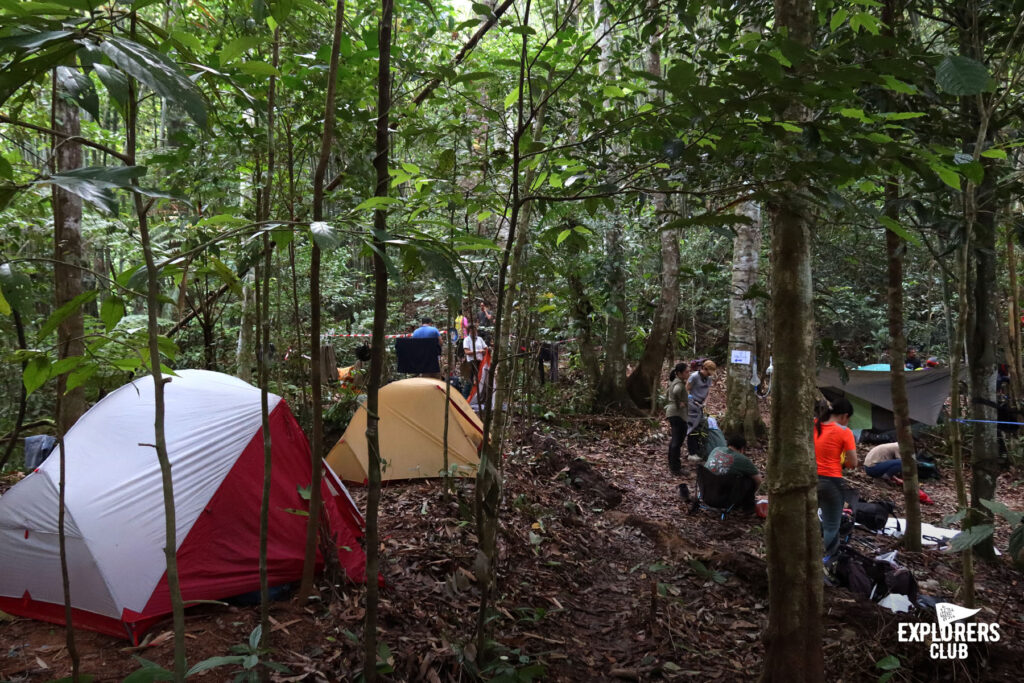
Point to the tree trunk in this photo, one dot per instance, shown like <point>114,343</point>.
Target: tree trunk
<point>582,314</point>
<point>67,256</point>
<point>1013,345</point>
<point>245,356</point>
<point>981,360</point>
<point>263,316</point>
<point>742,413</point>
<point>793,638</point>
<point>380,319</point>
<point>611,389</point>
<point>648,370</point>
<point>317,445</point>
<point>160,439</point>
<point>895,248</point>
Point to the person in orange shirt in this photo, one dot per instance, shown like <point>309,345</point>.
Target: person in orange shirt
<point>834,449</point>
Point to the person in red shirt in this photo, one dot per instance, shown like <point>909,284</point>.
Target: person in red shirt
<point>834,449</point>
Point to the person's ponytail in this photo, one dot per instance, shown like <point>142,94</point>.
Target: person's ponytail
<point>823,411</point>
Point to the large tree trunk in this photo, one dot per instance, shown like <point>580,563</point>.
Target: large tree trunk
<point>981,360</point>
<point>895,249</point>
<point>742,413</point>
<point>68,260</point>
<point>646,374</point>
<point>611,389</point>
<point>793,639</point>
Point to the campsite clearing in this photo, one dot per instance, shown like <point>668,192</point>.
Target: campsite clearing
<point>639,592</point>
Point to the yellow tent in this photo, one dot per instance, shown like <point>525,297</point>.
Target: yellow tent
<point>412,435</point>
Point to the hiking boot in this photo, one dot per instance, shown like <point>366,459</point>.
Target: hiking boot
<point>684,492</point>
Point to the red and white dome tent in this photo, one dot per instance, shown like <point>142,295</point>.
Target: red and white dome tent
<point>114,525</point>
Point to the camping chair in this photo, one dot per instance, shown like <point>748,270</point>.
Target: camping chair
<point>721,492</point>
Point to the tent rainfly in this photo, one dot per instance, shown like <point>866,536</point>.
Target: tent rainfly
<point>114,526</point>
<point>412,434</point>
<point>870,392</point>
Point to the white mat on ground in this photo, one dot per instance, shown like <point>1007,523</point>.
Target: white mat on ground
<point>930,534</point>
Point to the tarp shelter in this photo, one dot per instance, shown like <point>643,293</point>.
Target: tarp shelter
<point>870,392</point>
<point>412,434</point>
<point>114,522</point>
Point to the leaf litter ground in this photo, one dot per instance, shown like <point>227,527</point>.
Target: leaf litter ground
<point>603,576</point>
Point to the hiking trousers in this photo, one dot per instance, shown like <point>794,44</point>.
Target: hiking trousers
<point>886,468</point>
<point>830,501</point>
<point>678,425</point>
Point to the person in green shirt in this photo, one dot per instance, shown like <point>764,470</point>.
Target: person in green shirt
<point>730,459</point>
<point>675,413</point>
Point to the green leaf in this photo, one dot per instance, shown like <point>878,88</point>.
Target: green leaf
<point>888,663</point>
<point>6,171</point>
<point>13,77</point>
<point>947,175</point>
<point>971,537</point>
<point>994,154</point>
<point>64,312</point>
<point>157,73</point>
<point>902,115</point>
<point>32,40</point>
<point>237,47</point>
<point>374,202</point>
<point>1016,546</point>
<point>115,82</point>
<point>111,311</point>
<point>65,365</point>
<point>5,308</point>
<point>94,183</point>
<point>838,19</point>
<point>961,76</point>
<point>226,275</point>
<point>80,88</point>
<point>562,236</point>
<point>956,517</point>
<point>325,236</point>
<point>899,230</point>
<point>258,69</point>
<point>36,372</point>
<point>127,364</point>
<point>80,376</point>
<point>1011,516</point>
<point>511,97</point>
<point>254,637</point>
<point>16,288</point>
<point>473,76</point>
<point>214,662</point>
<point>896,85</point>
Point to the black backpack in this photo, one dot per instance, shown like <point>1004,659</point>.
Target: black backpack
<point>873,515</point>
<point>873,579</point>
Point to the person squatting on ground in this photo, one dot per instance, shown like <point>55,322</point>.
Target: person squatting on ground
<point>675,410</point>
<point>883,461</point>
<point>697,388</point>
<point>731,459</point>
<point>834,449</point>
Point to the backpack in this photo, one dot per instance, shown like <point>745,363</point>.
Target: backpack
<point>927,470</point>
<point>873,515</point>
<point>873,579</point>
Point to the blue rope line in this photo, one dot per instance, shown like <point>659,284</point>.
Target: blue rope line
<point>993,422</point>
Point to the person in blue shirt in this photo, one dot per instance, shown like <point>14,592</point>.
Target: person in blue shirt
<point>426,330</point>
